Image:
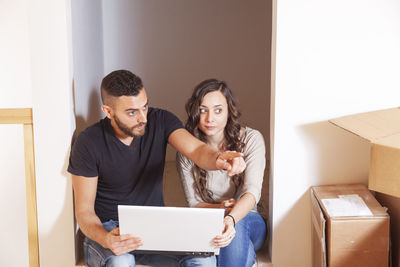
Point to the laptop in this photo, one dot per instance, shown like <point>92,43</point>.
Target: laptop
<point>187,231</point>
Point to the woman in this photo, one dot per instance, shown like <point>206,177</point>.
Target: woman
<point>213,118</point>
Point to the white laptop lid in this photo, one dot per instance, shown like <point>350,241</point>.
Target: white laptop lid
<point>171,229</point>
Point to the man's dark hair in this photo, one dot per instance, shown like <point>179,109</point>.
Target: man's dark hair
<point>120,83</point>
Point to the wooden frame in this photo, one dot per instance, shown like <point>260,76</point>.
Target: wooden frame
<point>24,116</point>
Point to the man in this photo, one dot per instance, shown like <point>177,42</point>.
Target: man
<point>120,160</point>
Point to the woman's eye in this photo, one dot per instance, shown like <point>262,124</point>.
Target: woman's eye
<point>218,110</point>
<point>203,110</point>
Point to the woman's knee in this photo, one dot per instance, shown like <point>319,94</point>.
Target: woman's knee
<point>242,251</point>
<point>257,230</point>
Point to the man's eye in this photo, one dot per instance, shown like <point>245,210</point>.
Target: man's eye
<point>131,113</point>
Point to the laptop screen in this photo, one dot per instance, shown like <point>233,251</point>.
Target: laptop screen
<point>171,229</point>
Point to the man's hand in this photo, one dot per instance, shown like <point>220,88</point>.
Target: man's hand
<point>228,205</point>
<point>204,155</point>
<point>121,244</point>
<point>231,161</point>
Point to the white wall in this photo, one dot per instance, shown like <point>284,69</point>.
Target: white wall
<point>35,71</point>
<point>15,92</point>
<point>15,89</point>
<point>51,69</point>
<point>332,58</point>
<point>14,237</point>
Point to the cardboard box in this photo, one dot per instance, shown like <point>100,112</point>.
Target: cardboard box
<point>350,227</point>
<point>382,129</point>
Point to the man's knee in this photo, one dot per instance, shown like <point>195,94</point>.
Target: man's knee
<point>125,260</point>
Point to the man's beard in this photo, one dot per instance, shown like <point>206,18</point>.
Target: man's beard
<point>129,131</point>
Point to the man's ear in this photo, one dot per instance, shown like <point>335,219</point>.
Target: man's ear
<point>106,110</point>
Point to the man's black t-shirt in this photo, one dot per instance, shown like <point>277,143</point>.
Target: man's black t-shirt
<point>127,175</point>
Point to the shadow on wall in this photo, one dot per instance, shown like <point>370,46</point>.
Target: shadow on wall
<point>338,157</point>
<point>57,238</point>
<point>331,156</point>
<point>94,115</point>
<point>295,226</point>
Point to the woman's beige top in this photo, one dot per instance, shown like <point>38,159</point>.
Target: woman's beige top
<point>219,182</point>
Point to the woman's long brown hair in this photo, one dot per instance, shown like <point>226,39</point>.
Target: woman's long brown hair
<point>231,132</point>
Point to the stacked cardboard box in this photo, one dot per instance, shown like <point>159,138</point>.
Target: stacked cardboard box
<point>382,129</point>
<point>350,227</point>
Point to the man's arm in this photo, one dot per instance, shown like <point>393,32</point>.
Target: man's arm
<point>204,155</point>
<point>90,224</point>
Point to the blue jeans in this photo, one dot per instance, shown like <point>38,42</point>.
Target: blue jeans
<point>98,256</point>
<point>251,233</point>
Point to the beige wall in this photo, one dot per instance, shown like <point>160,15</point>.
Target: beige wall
<point>332,58</point>
<point>173,45</point>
